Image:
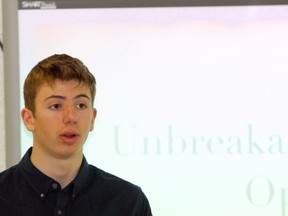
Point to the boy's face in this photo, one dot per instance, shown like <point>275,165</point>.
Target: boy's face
<point>62,120</point>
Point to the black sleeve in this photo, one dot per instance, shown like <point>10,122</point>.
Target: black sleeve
<point>142,206</point>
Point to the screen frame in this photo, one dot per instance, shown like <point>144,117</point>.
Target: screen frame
<point>11,50</point>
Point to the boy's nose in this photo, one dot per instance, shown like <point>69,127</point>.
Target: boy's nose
<point>70,116</point>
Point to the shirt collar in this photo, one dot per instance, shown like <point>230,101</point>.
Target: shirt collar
<point>42,184</point>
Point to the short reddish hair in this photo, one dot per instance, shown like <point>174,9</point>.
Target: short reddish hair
<point>59,66</point>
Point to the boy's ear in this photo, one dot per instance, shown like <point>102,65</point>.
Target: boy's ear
<point>93,119</point>
<point>28,119</point>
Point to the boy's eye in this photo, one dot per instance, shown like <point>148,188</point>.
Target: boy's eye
<point>55,107</point>
<point>81,106</point>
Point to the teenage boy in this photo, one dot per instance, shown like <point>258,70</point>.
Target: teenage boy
<point>53,177</point>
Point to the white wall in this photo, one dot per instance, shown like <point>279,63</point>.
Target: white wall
<point>2,111</point>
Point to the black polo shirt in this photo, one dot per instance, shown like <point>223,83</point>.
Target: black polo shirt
<point>25,191</point>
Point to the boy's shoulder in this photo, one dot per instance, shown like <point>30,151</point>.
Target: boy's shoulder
<point>111,181</point>
<point>9,174</point>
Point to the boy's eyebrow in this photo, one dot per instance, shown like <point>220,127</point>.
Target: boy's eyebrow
<point>55,97</point>
<point>63,97</point>
<point>82,95</point>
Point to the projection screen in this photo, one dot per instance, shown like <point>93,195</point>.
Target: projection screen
<point>190,96</point>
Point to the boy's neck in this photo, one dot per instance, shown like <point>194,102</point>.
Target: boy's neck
<point>63,171</point>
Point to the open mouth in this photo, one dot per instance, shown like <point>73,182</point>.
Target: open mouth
<point>69,135</point>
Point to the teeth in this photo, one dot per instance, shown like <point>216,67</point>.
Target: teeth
<point>69,135</point>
